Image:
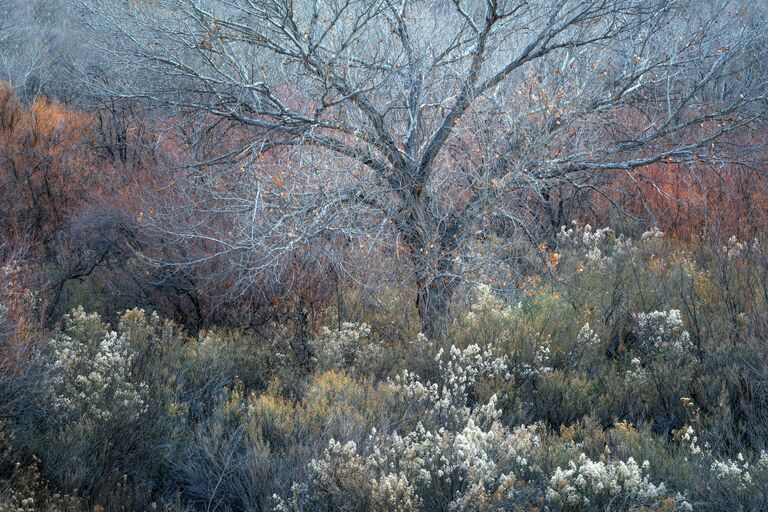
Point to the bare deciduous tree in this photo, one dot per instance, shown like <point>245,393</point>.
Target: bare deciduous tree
<point>34,43</point>
<point>428,123</point>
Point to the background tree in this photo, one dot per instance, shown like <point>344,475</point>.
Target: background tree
<point>425,127</point>
<point>38,42</point>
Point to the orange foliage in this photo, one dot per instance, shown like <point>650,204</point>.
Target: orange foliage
<point>18,329</point>
<point>693,202</point>
<point>697,199</point>
<point>49,166</point>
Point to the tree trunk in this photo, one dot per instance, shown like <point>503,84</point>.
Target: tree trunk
<point>433,300</point>
<point>300,344</point>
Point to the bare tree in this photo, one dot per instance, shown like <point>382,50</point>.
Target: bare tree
<point>422,125</point>
<point>34,40</point>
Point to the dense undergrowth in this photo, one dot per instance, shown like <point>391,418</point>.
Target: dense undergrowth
<point>629,374</point>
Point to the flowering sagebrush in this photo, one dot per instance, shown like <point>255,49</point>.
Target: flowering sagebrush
<point>393,493</point>
<point>663,328</point>
<point>587,337</point>
<point>652,234</point>
<point>592,244</point>
<point>92,379</point>
<point>735,249</point>
<point>447,402</point>
<point>458,452</point>
<point>536,362</point>
<point>690,438</point>
<point>594,484</point>
<point>350,346</point>
<point>487,307</point>
<point>736,472</point>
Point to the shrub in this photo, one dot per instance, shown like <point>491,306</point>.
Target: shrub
<point>547,399</point>
<point>595,485</point>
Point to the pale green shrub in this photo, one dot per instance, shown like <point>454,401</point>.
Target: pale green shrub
<point>351,347</point>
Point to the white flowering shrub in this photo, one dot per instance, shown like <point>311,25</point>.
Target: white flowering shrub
<point>584,236</point>
<point>98,413</point>
<point>729,483</point>
<point>343,480</point>
<point>593,485</point>
<point>337,349</point>
<point>422,470</point>
<point>341,465</point>
<point>665,362</point>
<point>598,245</point>
<point>91,379</point>
<point>532,359</point>
<point>689,437</point>
<point>487,306</point>
<point>733,472</point>
<point>533,406</point>
<point>350,347</point>
<point>585,350</point>
<point>663,332</point>
<point>447,403</point>
<point>457,452</point>
<point>595,264</point>
<point>637,374</point>
<point>490,318</point>
<point>461,457</point>
<point>738,483</point>
<point>438,461</point>
<point>587,337</point>
<point>494,322</point>
<point>594,245</point>
<point>652,235</point>
<point>735,249</point>
<point>29,491</point>
<point>659,330</point>
<point>393,493</point>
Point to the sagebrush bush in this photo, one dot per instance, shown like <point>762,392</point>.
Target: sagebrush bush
<point>630,376</point>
